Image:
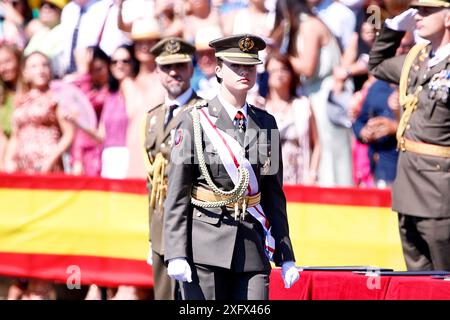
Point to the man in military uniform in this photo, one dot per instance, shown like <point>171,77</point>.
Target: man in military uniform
<point>422,186</point>
<point>175,69</point>
<point>225,212</point>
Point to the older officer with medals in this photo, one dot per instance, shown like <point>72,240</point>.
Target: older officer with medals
<point>225,212</point>
<point>422,186</point>
<point>174,67</point>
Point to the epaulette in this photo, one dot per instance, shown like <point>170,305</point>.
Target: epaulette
<point>155,108</point>
<point>256,109</point>
<point>197,104</point>
<point>200,104</point>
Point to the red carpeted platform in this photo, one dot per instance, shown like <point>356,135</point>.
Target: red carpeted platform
<point>343,285</point>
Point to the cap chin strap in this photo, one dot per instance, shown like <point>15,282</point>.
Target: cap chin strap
<point>173,57</point>
<point>236,55</point>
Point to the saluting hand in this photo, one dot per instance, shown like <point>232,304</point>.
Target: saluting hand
<point>403,22</point>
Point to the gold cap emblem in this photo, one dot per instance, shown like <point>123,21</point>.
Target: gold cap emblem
<point>246,44</point>
<point>172,46</point>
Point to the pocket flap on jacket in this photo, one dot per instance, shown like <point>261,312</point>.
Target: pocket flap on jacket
<point>211,215</point>
<point>428,163</point>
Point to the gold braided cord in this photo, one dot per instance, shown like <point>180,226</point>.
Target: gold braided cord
<point>155,170</point>
<point>237,193</point>
<point>158,184</point>
<point>409,60</point>
<point>147,163</point>
<point>407,101</point>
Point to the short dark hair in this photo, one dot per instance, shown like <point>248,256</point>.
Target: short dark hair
<point>219,63</point>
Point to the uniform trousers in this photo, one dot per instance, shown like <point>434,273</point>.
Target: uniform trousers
<point>214,283</point>
<point>164,288</point>
<point>425,242</point>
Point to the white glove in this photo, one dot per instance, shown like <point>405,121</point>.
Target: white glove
<point>150,255</point>
<point>179,269</point>
<point>290,273</point>
<point>403,22</point>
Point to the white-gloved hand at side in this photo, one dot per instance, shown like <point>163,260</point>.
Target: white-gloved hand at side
<point>289,273</point>
<point>150,255</point>
<point>179,269</point>
<point>403,22</point>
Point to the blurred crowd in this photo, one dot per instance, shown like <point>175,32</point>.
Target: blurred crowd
<point>76,78</point>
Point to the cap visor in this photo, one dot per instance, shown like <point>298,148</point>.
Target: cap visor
<point>172,61</point>
<point>244,61</point>
<point>432,4</point>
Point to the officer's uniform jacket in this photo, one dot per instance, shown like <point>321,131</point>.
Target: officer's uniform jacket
<point>212,236</point>
<point>160,139</point>
<point>422,185</point>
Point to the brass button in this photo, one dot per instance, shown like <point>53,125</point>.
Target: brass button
<point>163,145</point>
<point>199,214</point>
<point>408,126</point>
<point>438,167</point>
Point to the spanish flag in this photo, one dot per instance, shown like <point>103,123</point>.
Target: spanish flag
<point>59,227</point>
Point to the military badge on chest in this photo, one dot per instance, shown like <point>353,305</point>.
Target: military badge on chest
<point>151,126</point>
<point>439,86</point>
<point>266,167</point>
<point>178,137</point>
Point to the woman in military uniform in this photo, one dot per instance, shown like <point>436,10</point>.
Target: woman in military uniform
<point>225,212</point>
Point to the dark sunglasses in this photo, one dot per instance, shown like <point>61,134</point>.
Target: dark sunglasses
<point>124,61</point>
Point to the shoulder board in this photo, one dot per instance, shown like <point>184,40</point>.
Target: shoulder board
<point>257,110</point>
<point>153,109</point>
<point>201,103</point>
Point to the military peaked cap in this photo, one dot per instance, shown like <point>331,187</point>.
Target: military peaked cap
<point>240,49</point>
<point>172,50</point>
<point>431,3</point>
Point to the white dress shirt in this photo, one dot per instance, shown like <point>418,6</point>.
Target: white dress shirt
<point>69,19</point>
<point>232,110</point>
<point>440,54</point>
<point>112,37</point>
<point>97,13</point>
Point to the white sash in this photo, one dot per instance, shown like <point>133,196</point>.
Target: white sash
<point>232,156</point>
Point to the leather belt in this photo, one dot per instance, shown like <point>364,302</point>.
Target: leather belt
<point>425,148</point>
<point>206,195</point>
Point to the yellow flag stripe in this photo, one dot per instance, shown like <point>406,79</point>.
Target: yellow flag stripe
<point>91,223</point>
